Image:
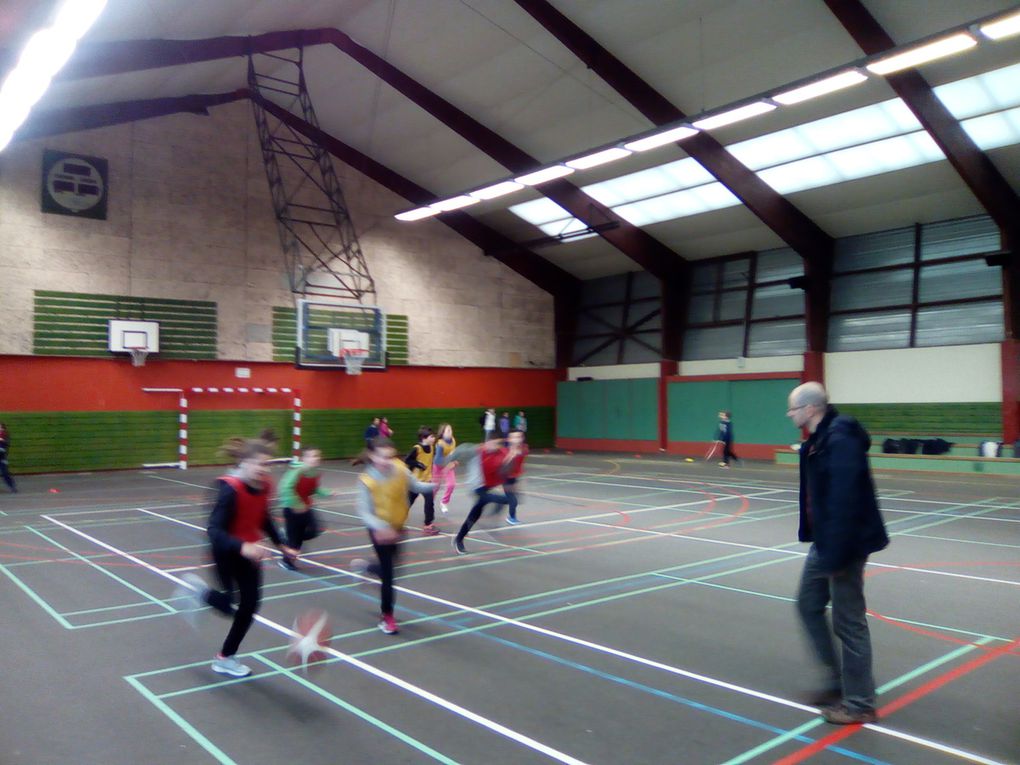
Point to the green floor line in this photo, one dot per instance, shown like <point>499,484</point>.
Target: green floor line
<point>812,724</point>
<point>528,617</point>
<point>97,556</point>
<point>38,600</point>
<point>183,724</point>
<point>357,712</point>
<point>106,572</point>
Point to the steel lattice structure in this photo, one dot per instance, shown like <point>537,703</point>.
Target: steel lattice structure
<point>320,246</point>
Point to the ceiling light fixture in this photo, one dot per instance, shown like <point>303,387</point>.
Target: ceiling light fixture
<point>43,56</point>
<point>454,203</point>
<point>417,214</point>
<point>545,174</point>
<point>821,87</point>
<point>661,139</point>
<point>598,158</point>
<point>734,115</point>
<point>1006,27</point>
<point>947,46</point>
<point>496,190</point>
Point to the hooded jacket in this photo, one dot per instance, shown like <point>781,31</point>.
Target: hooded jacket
<point>838,507</point>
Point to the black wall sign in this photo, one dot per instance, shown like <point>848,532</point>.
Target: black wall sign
<point>73,184</point>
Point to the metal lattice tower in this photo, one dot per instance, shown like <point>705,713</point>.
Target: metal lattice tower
<point>319,242</point>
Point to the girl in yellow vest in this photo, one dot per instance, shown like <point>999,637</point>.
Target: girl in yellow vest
<point>383,507</point>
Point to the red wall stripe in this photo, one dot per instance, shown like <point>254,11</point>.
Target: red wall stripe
<point>54,384</point>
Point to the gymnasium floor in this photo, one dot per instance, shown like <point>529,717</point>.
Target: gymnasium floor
<point>641,614</point>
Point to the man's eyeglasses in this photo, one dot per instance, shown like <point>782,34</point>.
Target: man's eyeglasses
<point>795,408</point>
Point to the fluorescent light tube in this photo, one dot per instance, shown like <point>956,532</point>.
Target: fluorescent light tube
<point>1007,27</point>
<point>661,139</point>
<point>497,190</point>
<point>417,213</point>
<point>545,174</point>
<point>598,158</point>
<point>454,203</point>
<point>734,115</point>
<point>821,88</point>
<point>920,55</point>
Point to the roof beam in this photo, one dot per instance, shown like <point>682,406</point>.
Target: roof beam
<point>774,210</point>
<point>978,172</point>
<point>632,241</point>
<point>75,119</point>
<point>98,59</point>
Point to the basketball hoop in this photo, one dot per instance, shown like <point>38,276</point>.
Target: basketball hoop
<point>353,359</point>
<point>138,356</point>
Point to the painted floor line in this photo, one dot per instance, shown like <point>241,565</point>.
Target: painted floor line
<point>439,701</point>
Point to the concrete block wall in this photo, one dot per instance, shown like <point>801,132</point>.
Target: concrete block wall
<point>190,217</point>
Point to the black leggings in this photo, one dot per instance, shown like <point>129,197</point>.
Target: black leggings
<point>728,453</point>
<point>430,505</point>
<point>485,497</point>
<point>236,573</point>
<point>7,474</point>
<point>387,555</point>
<point>296,524</point>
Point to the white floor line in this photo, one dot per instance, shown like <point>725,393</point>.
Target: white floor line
<point>598,647</point>
<point>771,491</point>
<point>797,553</point>
<point>415,690</point>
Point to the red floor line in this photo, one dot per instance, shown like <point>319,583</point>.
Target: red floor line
<point>908,698</point>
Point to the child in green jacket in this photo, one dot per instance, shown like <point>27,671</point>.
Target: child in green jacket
<point>296,494</point>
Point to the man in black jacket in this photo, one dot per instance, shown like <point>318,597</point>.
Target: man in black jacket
<point>839,515</point>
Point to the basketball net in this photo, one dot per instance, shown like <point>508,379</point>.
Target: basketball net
<point>138,356</point>
<point>353,359</point>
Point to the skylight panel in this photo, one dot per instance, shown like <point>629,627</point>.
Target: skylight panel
<point>539,211</point>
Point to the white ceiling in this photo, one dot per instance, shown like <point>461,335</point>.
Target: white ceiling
<point>490,59</point>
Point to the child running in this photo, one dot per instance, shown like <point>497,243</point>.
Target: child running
<point>5,448</point>
<point>297,492</point>
<point>724,436</point>
<point>238,522</point>
<point>513,467</point>
<point>382,505</point>
<point>443,465</point>
<point>492,465</point>
<point>419,462</point>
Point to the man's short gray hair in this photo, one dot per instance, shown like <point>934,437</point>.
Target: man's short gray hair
<point>810,394</point>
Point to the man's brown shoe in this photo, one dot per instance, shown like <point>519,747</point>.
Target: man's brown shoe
<point>842,715</point>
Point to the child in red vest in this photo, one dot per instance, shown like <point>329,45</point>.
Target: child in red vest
<point>297,492</point>
<point>239,521</point>
<point>493,465</point>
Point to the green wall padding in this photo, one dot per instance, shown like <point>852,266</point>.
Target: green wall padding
<point>694,407</point>
<point>758,408</point>
<point>76,324</point>
<point>949,419</point>
<point>65,441</point>
<point>78,441</point>
<point>608,409</point>
<point>285,336</point>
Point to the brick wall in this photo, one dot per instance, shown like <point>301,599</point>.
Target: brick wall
<point>190,218</point>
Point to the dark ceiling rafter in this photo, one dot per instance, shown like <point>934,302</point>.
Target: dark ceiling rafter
<point>119,57</point>
<point>774,210</point>
<point>73,119</point>
<point>984,180</point>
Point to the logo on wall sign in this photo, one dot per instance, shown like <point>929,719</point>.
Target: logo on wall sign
<point>73,184</point>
